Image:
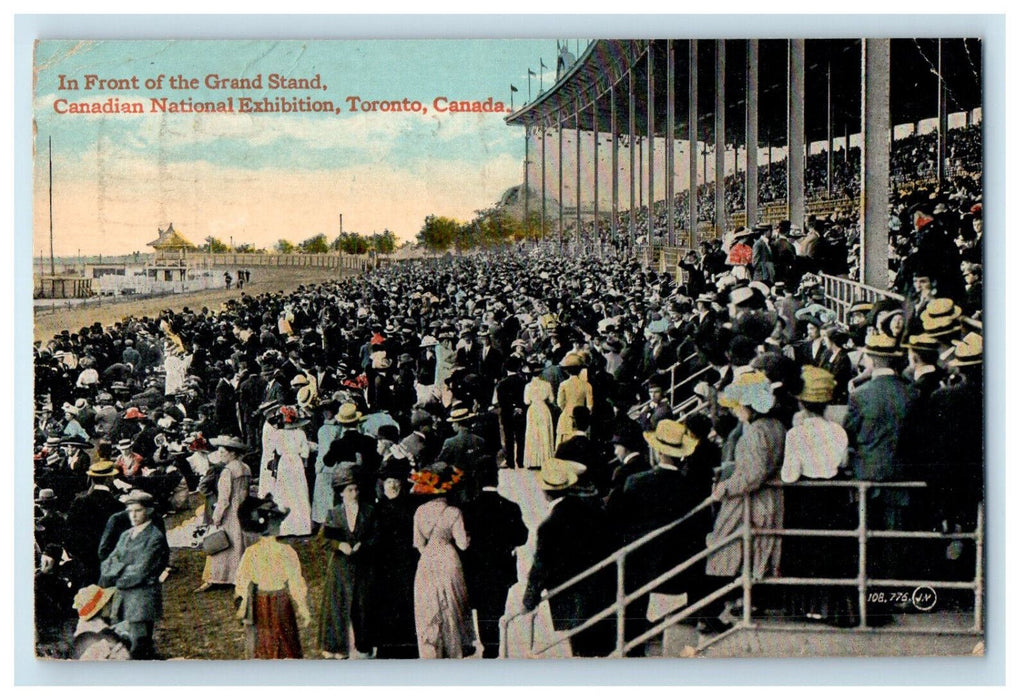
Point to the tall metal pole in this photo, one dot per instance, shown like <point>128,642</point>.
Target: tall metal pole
<point>719,136</point>
<point>943,122</point>
<point>543,166</point>
<point>668,143</point>
<point>631,151</point>
<point>577,166</point>
<point>595,171</point>
<point>650,98</point>
<point>615,167</point>
<point>875,189</point>
<point>797,130</point>
<point>526,230</point>
<point>50,144</point>
<point>693,143</point>
<point>559,179</point>
<point>830,135</point>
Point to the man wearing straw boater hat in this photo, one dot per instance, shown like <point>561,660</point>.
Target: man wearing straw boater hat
<point>957,437</point>
<point>95,639</point>
<point>875,421</point>
<point>88,515</point>
<point>573,537</point>
<point>463,449</point>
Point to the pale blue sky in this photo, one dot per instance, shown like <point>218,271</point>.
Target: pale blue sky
<point>261,177</point>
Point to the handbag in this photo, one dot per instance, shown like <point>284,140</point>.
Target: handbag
<point>216,541</point>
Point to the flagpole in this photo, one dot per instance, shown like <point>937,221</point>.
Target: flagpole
<point>541,67</point>
<point>50,143</point>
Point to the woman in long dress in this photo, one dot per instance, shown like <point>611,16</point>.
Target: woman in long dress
<point>348,538</point>
<point>538,435</point>
<point>758,456</point>
<point>395,566</point>
<point>442,612</point>
<point>271,586</point>
<point>290,487</point>
<point>232,489</point>
<point>573,392</point>
<point>323,494</point>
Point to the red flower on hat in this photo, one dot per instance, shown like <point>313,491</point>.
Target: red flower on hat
<point>134,414</point>
<point>921,220</point>
<point>289,414</point>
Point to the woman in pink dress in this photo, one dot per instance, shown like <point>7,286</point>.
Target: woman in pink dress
<point>442,611</point>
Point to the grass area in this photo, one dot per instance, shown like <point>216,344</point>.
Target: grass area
<point>204,625</point>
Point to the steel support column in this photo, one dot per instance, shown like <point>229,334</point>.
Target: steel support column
<point>614,167</point>
<point>752,102</point>
<point>559,178</point>
<point>693,143</point>
<point>720,216</point>
<point>830,137</point>
<point>668,143</point>
<point>595,173</point>
<point>650,118</point>
<point>526,134</point>
<point>577,166</point>
<point>542,222</point>
<point>876,104</point>
<point>943,121</point>
<point>797,130</point>
<point>632,233</point>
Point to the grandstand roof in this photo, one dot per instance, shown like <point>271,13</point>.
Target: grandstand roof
<point>170,239</point>
<point>914,85</point>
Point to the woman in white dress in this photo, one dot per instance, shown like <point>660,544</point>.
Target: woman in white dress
<point>290,485</point>
<point>538,434</point>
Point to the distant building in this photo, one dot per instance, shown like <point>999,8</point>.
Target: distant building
<point>169,263</point>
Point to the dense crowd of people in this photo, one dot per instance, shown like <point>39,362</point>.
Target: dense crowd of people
<point>375,414</point>
<point>912,171</point>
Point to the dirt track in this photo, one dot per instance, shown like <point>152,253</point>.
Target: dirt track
<point>48,323</point>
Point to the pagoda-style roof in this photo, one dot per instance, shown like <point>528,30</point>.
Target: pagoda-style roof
<point>170,239</point>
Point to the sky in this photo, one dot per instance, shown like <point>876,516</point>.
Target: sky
<point>256,178</point>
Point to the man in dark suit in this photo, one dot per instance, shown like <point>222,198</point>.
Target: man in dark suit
<point>464,448</point>
<point>87,518</point>
<point>496,529</point>
<point>134,568</point>
<point>572,538</point>
<point>510,402</point>
<point>580,448</point>
<point>652,499</point>
<point>875,421</point>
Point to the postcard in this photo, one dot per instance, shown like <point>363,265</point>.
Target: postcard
<point>475,349</point>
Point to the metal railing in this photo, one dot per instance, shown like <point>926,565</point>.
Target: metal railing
<point>745,581</point>
<point>841,293</point>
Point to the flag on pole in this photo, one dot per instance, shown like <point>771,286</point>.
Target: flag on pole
<point>531,72</point>
<point>513,89</point>
<point>544,66</point>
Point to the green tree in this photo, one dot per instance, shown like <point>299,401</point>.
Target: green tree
<point>438,232</point>
<point>212,244</point>
<point>315,244</point>
<point>245,248</point>
<point>285,247</point>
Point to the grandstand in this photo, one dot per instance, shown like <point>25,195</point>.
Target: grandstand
<point>774,105</point>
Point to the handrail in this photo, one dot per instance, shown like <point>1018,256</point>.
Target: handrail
<point>746,580</point>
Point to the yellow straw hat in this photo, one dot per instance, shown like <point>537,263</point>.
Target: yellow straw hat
<point>671,438</point>
<point>817,385</point>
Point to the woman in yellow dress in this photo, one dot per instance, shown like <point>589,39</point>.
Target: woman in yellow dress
<point>573,391</point>
<point>271,585</point>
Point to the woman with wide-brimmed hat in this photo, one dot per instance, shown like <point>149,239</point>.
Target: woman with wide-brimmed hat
<point>271,585</point>
<point>572,392</point>
<point>233,486</point>
<point>757,459</point>
<point>348,537</point>
<point>442,611</point>
<point>395,561</point>
<point>290,485</point>
<point>538,433</point>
